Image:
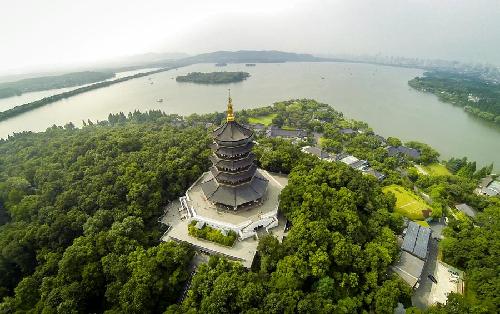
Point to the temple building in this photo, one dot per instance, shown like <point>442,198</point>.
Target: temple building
<point>234,195</point>
<point>233,180</point>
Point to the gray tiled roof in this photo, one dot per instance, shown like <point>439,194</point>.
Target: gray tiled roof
<point>233,178</point>
<point>392,151</point>
<point>376,174</point>
<point>232,132</point>
<point>234,196</point>
<point>274,131</point>
<point>490,191</point>
<point>232,150</point>
<point>420,249</point>
<point>347,131</point>
<point>316,151</point>
<point>466,209</point>
<point>409,268</point>
<point>341,156</point>
<point>232,163</point>
<point>495,185</point>
<point>410,152</point>
<point>485,181</point>
<point>416,240</point>
<point>359,164</point>
<point>410,237</point>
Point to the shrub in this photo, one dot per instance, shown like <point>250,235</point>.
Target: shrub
<point>212,234</point>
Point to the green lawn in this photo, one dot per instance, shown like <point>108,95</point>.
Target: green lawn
<point>423,223</point>
<point>265,120</point>
<point>407,203</point>
<point>437,169</point>
<point>320,141</point>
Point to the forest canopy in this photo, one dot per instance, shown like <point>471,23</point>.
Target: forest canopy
<point>79,228</point>
<point>333,260</point>
<point>83,204</point>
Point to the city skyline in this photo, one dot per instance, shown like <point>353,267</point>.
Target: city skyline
<point>60,34</point>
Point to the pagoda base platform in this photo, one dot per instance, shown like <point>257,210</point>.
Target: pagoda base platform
<point>249,222</point>
<point>244,221</point>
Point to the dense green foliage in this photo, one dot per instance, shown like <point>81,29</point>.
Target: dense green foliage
<point>449,190</point>
<point>79,229</point>
<point>334,259</point>
<point>442,191</point>
<point>213,77</point>
<point>428,154</point>
<point>281,155</point>
<point>477,251</point>
<point>297,113</point>
<point>278,155</point>
<point>477,96</point>
<point>4,115</point>
<point>211,234</point>
<point>9,92</point>
<point>464,168</point>
<point>322,119</point>
<point>51,82</point>
<point>83,205</point>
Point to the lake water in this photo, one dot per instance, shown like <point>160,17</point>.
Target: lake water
<point>11,102</point>
<point>376,94</point>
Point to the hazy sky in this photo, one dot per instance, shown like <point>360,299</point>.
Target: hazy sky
<point>36,33</point>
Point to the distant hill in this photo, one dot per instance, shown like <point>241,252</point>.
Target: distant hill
<point>150,59</point>
<point>249,56</point>
<point>159,60</point>
<point>153,57</point>
<point>9,89</point>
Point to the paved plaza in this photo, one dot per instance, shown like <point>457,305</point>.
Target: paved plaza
<point>268,205</point>
<point>243,250</point>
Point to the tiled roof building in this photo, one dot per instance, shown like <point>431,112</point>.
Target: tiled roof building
<point>233,180</point>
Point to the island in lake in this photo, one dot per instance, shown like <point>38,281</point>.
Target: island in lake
<point>213,77</point>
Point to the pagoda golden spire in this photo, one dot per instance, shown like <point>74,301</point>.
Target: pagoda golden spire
<point>230,114</point>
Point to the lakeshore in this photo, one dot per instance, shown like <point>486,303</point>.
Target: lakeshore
<point>360,91</point>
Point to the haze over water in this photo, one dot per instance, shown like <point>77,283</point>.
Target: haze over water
<point>378,95</point>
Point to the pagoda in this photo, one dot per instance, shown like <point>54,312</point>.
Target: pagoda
<point>233,180</point>
<point>234,195</point>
